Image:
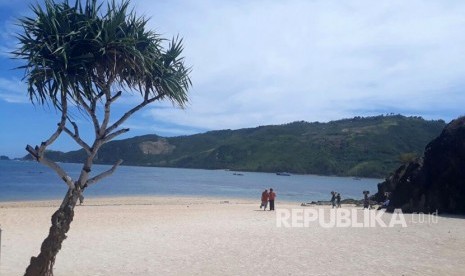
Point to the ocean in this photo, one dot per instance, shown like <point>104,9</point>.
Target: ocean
<point>20,180</point>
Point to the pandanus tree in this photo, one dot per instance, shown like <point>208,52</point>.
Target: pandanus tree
<point>85,56</point>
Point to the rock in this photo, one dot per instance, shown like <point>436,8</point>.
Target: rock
<point>322,202</point>
<point>344,201</point>
<point>433,182</point>
<point>352,201</point>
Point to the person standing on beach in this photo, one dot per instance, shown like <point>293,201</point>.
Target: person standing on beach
<point>333,198</point>
<point>272,196</point>
<point>366,201</point>
<point>338,200</point>
<point>265,197</point>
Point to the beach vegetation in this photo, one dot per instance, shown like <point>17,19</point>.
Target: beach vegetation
<point>86,56</point>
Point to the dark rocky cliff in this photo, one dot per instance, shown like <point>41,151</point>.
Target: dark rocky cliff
<point>434,182</point>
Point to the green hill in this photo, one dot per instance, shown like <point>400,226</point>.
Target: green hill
<point>368,147</point>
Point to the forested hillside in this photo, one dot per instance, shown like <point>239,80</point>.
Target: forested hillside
<point>368,147</point>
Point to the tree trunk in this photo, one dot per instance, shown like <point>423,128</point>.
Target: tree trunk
<point>42,265</point>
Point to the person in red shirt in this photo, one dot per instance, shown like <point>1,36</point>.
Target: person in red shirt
<point>265,196</point>
<point>271,198</point>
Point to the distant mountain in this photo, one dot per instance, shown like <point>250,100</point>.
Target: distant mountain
<point>367,147</point>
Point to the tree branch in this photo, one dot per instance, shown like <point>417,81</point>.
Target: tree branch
<point>106,115</point>
<point>111,136</point>
<point>91,113</point>
<point>130,112</point>
<point>93,104</point>
<point>76,129</point>
<point>76,138</point>
<point>38,152</point>
<point>54,166</point>
<point>116,96</point>
<point>64,114</point>
<point>104,174</point>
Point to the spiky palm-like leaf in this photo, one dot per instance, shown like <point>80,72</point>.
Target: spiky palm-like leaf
<point>79,50</point>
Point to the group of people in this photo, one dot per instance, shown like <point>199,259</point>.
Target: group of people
<point>268,197</point>
<point>335,199</point>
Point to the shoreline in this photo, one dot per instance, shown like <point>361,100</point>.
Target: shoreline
<point>380,178</point>
<point>180,200</point>
<point>142,200</point>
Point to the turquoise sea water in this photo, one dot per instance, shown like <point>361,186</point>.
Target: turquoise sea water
<point>33,181</point>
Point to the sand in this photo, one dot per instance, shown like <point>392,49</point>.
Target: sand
<point>206,236</point>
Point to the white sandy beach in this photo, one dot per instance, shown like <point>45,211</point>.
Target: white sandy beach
<point>188,236</point>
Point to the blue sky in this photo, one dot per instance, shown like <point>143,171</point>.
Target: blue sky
<point>271,62</point>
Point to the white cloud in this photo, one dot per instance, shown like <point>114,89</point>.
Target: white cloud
<point>267,62</point>
<point>13,90</point>
<point>264,62</point>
